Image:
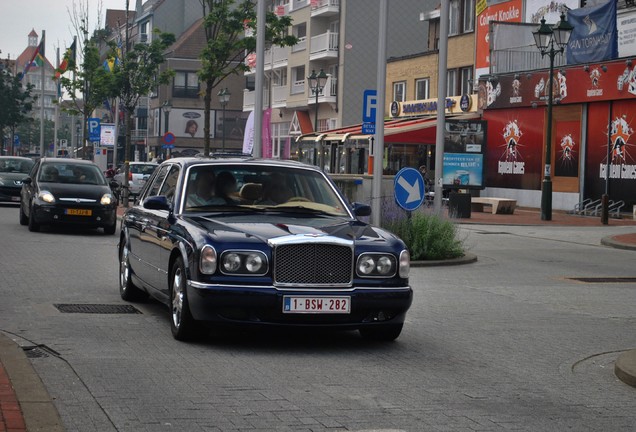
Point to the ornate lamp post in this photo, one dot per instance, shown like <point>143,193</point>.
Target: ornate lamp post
<point>317,83</point>
<point>551,40</point>
<point>224,99</point>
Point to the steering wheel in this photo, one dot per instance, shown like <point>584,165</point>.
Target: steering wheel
<point>298,199</point>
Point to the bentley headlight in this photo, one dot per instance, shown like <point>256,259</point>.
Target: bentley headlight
<point>365,265</point>
<point>254,263</point>
<point>384,265</point>
<point>208,260</point>
<point>405,264</point>
<point>377,265</point>
<point>231,262</point>
<point>106,199</point>
<point>244,263</point>
<point>46,196</point>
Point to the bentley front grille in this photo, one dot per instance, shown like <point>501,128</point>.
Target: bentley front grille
<point>313,264</point>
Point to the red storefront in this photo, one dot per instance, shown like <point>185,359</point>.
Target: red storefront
<point>589,101</point>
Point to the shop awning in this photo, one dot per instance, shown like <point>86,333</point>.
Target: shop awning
<point>408,131</point>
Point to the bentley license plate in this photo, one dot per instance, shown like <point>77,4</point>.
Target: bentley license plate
<point>79,212</point>
<point>329,305</point>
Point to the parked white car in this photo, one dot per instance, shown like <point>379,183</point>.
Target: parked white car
<point>139,173</point>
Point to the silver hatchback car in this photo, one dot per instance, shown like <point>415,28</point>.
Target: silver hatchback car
<point>139,173</point>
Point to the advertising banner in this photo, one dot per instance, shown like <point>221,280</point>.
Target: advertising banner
<point>509,11</point>
<point>594,36</point>
<point>626,28</point>
<point>464,150</point>
<point>568,148</point>
<point>622,151</point>
<point>515,148</point>
<point>108,137</point>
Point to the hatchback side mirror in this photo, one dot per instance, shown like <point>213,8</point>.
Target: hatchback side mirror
<point>27,180</point>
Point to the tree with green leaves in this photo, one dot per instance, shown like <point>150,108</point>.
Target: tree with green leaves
<point>16,102</point>
<point>230,34</point>
<point>136,74</point>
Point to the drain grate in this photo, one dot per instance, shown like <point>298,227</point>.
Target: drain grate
<point>97,308</point>
<point>604,279</point>
<point>492,232</point>
<point>38,351</point>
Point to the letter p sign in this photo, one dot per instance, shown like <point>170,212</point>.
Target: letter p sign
<point>369,105</point>
<point>94,130</point>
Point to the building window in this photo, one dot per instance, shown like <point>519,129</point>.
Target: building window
<point>469,15</point>
<point>451,82</point>
<point>143,32</point>
<point>453,17</point>
<point>399,91</point>
<point>461,17</point>
<point>422,88</point>
<point>298,80</point>
<point>466,80</point>
<point>185,85</point>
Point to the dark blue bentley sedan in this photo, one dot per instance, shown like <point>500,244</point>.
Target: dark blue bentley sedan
<point>264,242</point>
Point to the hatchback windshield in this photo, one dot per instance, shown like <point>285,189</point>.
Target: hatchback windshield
<point>71,173</point>
<point>15,165</point>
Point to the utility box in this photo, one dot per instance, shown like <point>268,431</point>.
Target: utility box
<point>459,205</point>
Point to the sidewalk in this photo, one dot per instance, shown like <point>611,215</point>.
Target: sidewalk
<point>26,406</point>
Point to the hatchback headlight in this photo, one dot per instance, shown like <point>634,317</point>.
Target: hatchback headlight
<point>376,265</point>
<point>245,263</point>
<point>208,260</point>
<point>46,196</point>
<point>106,199</point>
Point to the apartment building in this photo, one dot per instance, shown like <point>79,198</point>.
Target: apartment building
<point>340,38</point>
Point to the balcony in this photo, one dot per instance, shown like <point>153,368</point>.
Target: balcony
<point>249,99</point>
<point>329,93</point>
<point>325,8</point>
<point>324,46</point>
<point>279,96</point>
<point>276,57</point>
<point>301,45</point>
<point>297,4</point>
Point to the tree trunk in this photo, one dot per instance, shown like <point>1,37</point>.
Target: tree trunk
<point>127,148</point>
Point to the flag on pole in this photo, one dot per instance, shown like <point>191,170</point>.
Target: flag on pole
<point>37,59</point>
<point>69,60</point>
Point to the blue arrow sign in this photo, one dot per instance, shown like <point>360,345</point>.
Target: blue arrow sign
<point>409,189</point>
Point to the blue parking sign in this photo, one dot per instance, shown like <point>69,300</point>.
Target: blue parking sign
<point>94,130</point>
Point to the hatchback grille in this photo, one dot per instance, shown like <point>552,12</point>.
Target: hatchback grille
<point>313,264</point>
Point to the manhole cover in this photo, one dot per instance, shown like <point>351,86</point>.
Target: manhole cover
<point>604,279</point>
<point>97,308</point>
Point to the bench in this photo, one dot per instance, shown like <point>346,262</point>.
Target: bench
<point>498,205</point>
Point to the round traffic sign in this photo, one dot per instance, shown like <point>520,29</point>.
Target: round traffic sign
<point>169,138</point>
<point>409,189</point>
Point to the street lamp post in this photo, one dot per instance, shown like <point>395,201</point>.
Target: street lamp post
<point>317,83</point>
<point>224,99</point>
<point>551,40</point>
<point>167,107</point>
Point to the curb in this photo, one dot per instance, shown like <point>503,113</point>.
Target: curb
<point>612,242</point>
<point>625,367</point>
<point>36,405</point>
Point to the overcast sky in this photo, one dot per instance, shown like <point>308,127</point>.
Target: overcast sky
<point>19,17</point>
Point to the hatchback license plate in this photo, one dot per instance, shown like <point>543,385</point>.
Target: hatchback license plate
<point>329,305</point>
<point>79,212</point>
